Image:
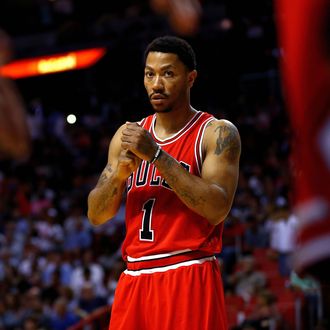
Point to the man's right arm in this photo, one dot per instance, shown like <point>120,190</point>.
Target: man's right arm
<point>104,200</point>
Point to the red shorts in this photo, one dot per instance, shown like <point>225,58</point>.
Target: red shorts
<point>186,295</point>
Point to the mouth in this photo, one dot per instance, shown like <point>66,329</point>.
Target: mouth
<point>158,97</point>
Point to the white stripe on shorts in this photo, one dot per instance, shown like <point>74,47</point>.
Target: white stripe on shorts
<point>166,268</point>
<point>157,256</point>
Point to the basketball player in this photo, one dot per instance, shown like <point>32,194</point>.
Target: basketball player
<point>304,37</point>
<point>180,168</point>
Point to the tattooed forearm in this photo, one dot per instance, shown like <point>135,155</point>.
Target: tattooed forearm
<point>169,162</point>
<point>203,196</point>
<point>167,167</point>
<point>228,140</point>
<point>190,198</point>
<point>105,198</point>
<point>104,176</point>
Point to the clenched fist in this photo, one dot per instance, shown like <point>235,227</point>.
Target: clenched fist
<point>138,141</point>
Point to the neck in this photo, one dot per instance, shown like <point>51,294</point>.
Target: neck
<point>169,123</point>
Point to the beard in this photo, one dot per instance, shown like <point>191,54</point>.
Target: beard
<point>162,109</point>
<point>166,110</point>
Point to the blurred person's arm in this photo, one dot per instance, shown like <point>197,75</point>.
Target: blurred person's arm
<point>14,133</point>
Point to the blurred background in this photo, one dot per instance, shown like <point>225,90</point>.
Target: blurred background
<point>56,270</point>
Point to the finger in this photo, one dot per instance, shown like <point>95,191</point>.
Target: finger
<point>127,139</point>
<point>132,126</point>
<point>125,146</point>
<point>129,124</point>
<point>127,132</point>
<point>131,163</point>
<point>132,131</point>
<point>127,157</point>
<point>129,154</point>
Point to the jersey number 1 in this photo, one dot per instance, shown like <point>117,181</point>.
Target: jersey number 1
<point>146,234</point>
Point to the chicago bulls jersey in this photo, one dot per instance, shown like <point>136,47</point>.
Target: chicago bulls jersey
<point>158,223</point>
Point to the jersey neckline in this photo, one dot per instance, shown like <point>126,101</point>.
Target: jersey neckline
<point>176,135</point>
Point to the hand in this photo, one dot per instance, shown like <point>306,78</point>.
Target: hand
<point>139,141</point>
<point>127,164</point>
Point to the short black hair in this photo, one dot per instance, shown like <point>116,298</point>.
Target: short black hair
<point>174,45</point>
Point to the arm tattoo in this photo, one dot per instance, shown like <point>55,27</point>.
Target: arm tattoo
<point>169,162</point>
<point>227,140</point>
<point>105,199</point>
<point>190,198</point>
<point>104,176</point>
<point>106,193</point>
<point>172,179</point>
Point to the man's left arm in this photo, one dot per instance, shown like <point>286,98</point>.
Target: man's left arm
<point>212,194</point>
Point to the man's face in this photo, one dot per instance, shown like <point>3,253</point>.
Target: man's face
<point>167,81</point>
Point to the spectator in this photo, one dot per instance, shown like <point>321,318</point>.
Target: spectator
<point>78,232</point>
<point>89,301</point>
<point>247,281</point>
<point>10,313</point>
<point>89,272</point>
<point>255,235</point>
<point>32,323</point>
<point>264,314</point>
<point>282,227</point>
<point>62,318</point>
<point>33,307</point>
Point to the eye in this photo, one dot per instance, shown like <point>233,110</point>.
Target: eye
<point>149,74</point>
<point>168,73</point>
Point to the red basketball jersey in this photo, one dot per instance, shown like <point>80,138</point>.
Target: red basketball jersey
<point>158,223</point>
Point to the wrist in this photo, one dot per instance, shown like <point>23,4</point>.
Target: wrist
<point>156,156</point>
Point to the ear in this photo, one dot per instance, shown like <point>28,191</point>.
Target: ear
<point>192,75</point>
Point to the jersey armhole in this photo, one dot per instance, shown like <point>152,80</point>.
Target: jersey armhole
<point>199,152</point>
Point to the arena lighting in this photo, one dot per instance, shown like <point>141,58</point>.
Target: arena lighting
<point>52,63</point>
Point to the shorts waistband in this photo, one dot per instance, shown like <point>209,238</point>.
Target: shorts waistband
<point>167,261</point>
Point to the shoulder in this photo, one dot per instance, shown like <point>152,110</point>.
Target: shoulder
<point>115,143</point>
<point>116,137</point>
<point>222,137</point>
<point>223,124</point>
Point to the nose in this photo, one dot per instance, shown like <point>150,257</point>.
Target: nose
<point>158,83</point>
